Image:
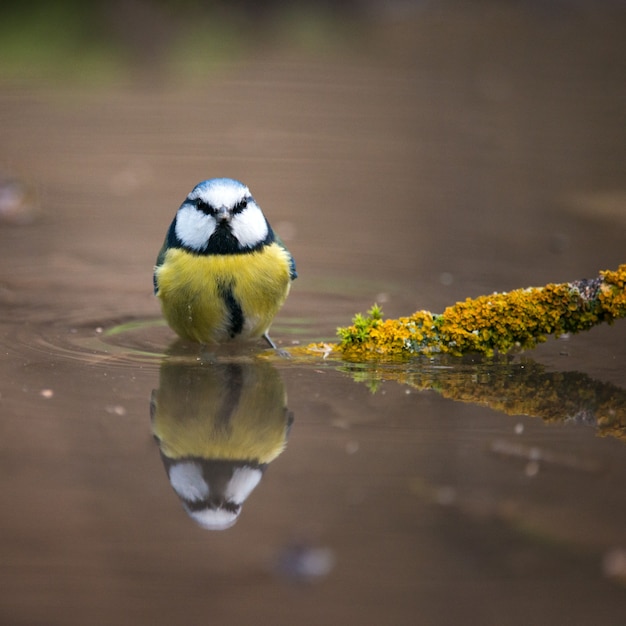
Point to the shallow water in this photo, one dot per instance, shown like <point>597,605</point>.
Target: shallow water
<point>433,492</point>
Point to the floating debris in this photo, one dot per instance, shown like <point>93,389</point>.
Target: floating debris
<point>115,409</point>
<point>614,565</point>
<point>18,201</point>
<point>535,455</point>
<point>301,562</point>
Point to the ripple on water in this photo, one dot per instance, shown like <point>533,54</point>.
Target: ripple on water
<point>104,343</point>
<point>111,343</point>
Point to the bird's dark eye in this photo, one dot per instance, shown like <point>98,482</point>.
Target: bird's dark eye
<point>204,207</point>
<point>240,206</point>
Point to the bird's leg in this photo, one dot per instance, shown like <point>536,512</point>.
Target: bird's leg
<point>269,341</point>
<point>272,345</point>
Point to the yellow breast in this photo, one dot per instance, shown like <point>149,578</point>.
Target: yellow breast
<point>214,298</point>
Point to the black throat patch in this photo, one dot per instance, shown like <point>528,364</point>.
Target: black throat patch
<point>222,241</point>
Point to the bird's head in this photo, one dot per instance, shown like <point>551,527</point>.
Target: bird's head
<point>220,216</point>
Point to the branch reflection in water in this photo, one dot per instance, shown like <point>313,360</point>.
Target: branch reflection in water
<point>218,424</point>
<point>511,387</point>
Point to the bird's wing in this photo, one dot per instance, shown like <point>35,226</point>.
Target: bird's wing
<point>159,262</point>
<point>293,274</point>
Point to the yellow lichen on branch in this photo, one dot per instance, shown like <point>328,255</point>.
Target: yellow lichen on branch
<point>500,322</point>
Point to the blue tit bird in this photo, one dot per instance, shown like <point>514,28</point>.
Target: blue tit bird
<point>222,272</point>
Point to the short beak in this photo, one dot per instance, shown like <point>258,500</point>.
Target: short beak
<point>222,214</point>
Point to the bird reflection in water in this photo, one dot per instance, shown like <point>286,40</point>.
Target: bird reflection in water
<point>218,426</point>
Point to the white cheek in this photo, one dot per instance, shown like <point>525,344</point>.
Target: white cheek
<point>244,480</point>
<point>249,226</point>
<point>194,227</point>
<point>187,481</point>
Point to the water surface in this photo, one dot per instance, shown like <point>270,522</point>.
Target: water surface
<point>433,492</point>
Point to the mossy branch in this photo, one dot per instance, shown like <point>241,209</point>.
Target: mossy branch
<point>497,323</point>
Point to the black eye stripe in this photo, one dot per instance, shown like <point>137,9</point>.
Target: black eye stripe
<point>240,206</point>
<point>203,206</point>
